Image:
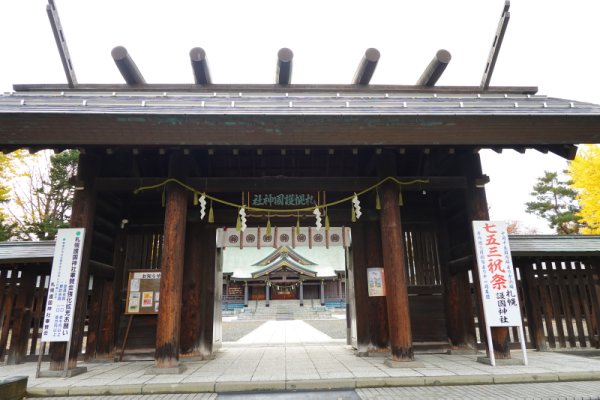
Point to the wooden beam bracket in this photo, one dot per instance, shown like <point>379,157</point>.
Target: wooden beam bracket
<point>435,69</point>
<point>127,67</point>
<point>366,68</point>
<point>61,43</point>
<point>495,49</point>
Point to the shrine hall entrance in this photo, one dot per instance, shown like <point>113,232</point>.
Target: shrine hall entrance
<point>288,286</point>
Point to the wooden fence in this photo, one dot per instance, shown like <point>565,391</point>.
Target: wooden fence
<point>559,303</point>
<point>22,300</point>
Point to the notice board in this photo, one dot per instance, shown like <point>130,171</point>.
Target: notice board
<point>143,292</point>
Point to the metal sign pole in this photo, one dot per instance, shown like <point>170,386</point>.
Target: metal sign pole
<point>66,370</point>
<point>523,347</point>
<point>488,331</point>
<point>39,363</point>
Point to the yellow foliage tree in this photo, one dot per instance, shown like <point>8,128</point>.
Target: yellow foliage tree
<point>585,174</point>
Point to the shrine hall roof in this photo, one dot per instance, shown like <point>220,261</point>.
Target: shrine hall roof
<point>294,102</point>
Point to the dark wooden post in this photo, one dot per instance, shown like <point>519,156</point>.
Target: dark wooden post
<point>301,294</point>
<point>358,276</point>
<point>322,292</point>
<point>106,330</point>
<point>457,293</point>
<point>211,285</point>
<point>245,293</point>
<point>394,264</point>
<point>82,216</point>
<point>191,310</point>
<point>478,210</point>
<point>94,310</point>
<point>111,301</point>
<point>377,309</point>
<point>22,318</point>
<point>169,309</point>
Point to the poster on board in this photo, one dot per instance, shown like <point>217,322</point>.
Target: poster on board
<point>143,292</point>
<point>376,282</point>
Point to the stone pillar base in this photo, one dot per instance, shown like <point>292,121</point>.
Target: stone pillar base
<point>501,361</point>
<point>165,371</point>
<point>403,364</point>
<point>59,374</point>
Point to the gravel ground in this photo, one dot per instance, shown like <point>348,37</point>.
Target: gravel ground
<point>336,328</point>
<point>235,330</point>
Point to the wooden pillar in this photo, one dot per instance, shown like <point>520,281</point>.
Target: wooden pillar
<point>82,216</point>
<point>359,301</point>
<point>171,280</point>
<point>106,330</point>
<point>95,308</point>
<point>210,292</point>
<point>301,294</point>
<point>377,316</point>
<point>22,318</point>
<point>394,264</point>
<point>111,301</point>
<point>192,284</point>
<point>457,296</point>
<point>478,210</point>
<point>322,292</point>
<point>245,293</point>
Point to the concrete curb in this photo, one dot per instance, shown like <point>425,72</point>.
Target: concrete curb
<point>182,387</point>
<point>252,386</point>
<point>323,384</point>
<point>104,390</point>
<point>525,378</point>
<point>314,384</point>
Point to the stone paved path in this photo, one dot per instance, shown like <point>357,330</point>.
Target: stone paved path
<point>273,332</point>
<point>550,390</point>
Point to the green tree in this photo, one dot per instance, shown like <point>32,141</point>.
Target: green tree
<point>46,195</point>
<point>555,202</point>
<point>585,173</point>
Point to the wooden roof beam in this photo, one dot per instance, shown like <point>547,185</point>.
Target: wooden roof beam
<point>61,44</point>
<point>200,66</point>
<point>435,69</point>
<point>495,50</point>
<point>566,151</point>
<point>127,67</point>
<point>283,76</point>
<point>366,68</point>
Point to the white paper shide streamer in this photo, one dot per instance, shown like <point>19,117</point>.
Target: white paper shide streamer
<point>318,223</point>
<point>356,205</point>
<point>202,202</point>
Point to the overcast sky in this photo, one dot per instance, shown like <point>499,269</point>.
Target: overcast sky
<point>549,43</point>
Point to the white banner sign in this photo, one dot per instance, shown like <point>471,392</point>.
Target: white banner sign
<point>284,236</point>
<point>496,274</point>
<point>62,292</point>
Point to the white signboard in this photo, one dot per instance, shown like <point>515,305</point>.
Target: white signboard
<point>62,291</point>
<point>496,274</point>
<point>497,279</point>
<point>376,282</point>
